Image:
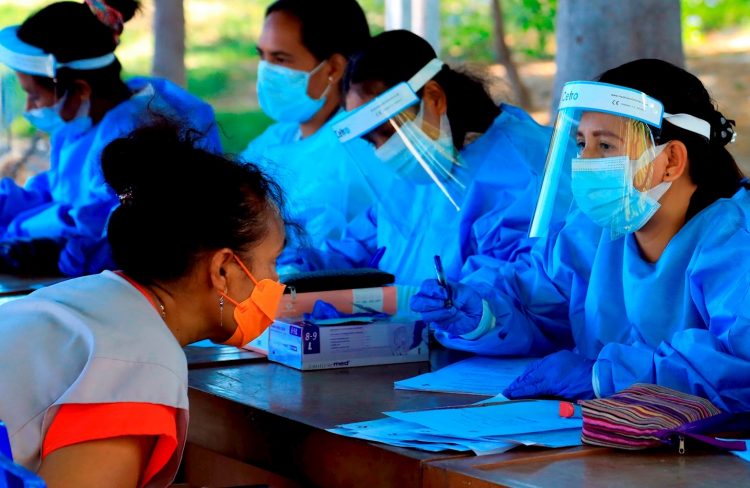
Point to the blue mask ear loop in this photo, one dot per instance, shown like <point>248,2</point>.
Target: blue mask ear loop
<point>57,100</point>
<point>312,73</point>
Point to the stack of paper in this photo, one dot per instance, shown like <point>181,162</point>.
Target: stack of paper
<point>487,427</point>
<point>474,376</point>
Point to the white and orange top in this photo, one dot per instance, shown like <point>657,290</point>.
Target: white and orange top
<point>91,359</point>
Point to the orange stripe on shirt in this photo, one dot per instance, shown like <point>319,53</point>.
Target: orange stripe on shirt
<point>76,422</point>
<point>140,288</point>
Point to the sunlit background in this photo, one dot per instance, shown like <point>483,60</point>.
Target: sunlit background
<point>221,60</point>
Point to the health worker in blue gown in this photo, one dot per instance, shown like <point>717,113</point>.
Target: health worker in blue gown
<point>454,173</point>
<point>63,58</point>
<point>649,279</point>
<point>304,47</point>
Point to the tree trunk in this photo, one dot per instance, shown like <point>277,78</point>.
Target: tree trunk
<point>397,14</point>
<point>596,35</point>
<point>169,41</point>
<point>425,21</point>
<point>503,56</point>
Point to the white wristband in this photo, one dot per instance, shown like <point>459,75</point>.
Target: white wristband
<point>486,324</point>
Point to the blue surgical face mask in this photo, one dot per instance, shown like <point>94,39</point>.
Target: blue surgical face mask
<point>49,120</point>
<point>282,93</point>
<point>603,190</point>
<point>437,154</point>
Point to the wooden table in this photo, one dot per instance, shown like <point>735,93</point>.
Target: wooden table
<point>268,421</point>
<point>218,355</point>
<point>273,417</point>
<point>23,285</point>
<point>13,287</point>
<point>590,466</point>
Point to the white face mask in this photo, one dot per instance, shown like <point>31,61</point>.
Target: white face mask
<point>49,120</point>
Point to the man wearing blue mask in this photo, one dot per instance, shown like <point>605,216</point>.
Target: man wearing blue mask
<point>304,48</point>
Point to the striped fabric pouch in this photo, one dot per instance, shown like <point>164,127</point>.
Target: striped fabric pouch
<point>645,415</point>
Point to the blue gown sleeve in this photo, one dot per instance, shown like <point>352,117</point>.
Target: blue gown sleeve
<point>499,236</point>
<point>211,140</point>
<point>534,300</point>
<point>714,362</point>
<point>353,250</point>
<point>507,189</point>
<point>15,199</point>
<point>86,248</point>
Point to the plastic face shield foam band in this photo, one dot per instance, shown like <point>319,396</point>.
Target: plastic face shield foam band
<point>29,59</point>
<point>386,105</point>
<point>420,158</point>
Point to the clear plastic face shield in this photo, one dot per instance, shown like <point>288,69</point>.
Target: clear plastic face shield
<point>398,149</point>
<point>604,135</point>
<point>12,99</point>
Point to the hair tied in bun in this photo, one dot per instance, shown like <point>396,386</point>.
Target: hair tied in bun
<point>108,16</point>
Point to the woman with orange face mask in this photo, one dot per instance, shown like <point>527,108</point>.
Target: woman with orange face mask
<point>98,389</point>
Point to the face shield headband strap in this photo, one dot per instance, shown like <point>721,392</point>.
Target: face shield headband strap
<point>690,123</point>
<point>425,74</point>
<point>627,102</point>
<point>29,59</point>
<point>386,105</point>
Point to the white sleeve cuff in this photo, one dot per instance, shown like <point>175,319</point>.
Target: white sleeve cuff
<point>486,324</point>
<point>403,298</point>
<point>595,379</point>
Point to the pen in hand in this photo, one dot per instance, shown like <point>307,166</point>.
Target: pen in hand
<point>442,281</point>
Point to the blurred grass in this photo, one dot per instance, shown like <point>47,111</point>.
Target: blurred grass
<point>238,128</point>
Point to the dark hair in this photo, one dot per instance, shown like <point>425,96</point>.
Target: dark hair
<point>712,167</point>
<point>395,56</point>
<point>328,27</point>
<point>70,31</point>
<point>178,201</point>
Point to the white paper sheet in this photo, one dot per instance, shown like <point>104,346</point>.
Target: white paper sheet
<point>474,376</point>
<point>489,419</point>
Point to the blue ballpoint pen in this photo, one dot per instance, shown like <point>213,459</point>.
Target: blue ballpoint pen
<point>442,281</point>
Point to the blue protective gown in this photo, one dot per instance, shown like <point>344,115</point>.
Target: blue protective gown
<point>682,322</point>
<point>323,187</point>
<point>504,168</point>
<point>71,202</point>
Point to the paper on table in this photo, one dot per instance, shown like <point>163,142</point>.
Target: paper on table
<point>474,376</point>
<point>431,447</point>
<point>407,434</point>
<point>503,419</point>
<point>552,438</point>
<point>744,455</point>
<point>205,343</point>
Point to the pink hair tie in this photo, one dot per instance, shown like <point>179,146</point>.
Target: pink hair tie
<point>107,16</point>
